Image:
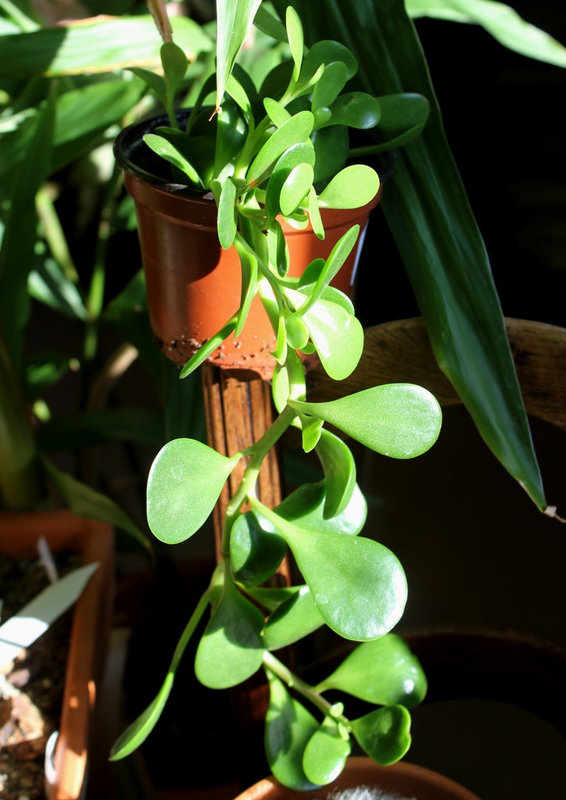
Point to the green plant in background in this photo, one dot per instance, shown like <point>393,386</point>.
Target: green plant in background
<point>63,96</point>
<point>281,153</point>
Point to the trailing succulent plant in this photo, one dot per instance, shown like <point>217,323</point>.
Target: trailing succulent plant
<point>282,152</point>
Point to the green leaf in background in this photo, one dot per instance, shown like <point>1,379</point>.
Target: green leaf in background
<point>185,481</point>
<point>230,650</point>
<point>326,752</point>
<point>89,503</point>
<point>430,218</point>
<point>49,284</point>
<point>384,672</point>
<point>384,734</point>
<point>122,424</point>
<point>234,22</point>
<point>288,728</point>
<point>97,45</point>
<point>498,19</point>
<point>399,420</point>
<point>23,180</point>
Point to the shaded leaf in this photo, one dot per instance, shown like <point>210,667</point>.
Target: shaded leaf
<point>293,619</point>
<point>339,472</point>
<point>288,728</point>
<point>326,752</point>
<point>230,649</point>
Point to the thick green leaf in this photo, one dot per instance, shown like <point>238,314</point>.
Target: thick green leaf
<point>296,130</point>
<point>352,187</point>
<point>167,150</point>
<point>429,215</point>
<point>339,472</point>
<point>336,333</point>
<point>356,110</point>
<point>295,38</point>
<point>98,45</point>
<point>357,584</point>
<point>233,23</point>
<point>288,728</point>
<point>230,649</point>
<point>295,188</point>
<point>292,620</point>
<point>326,753</point>
<point>498,19</point>
<point>399,420</point>
<point>384,734</point>
<point>384,672</point>
<point>185,481</point>
<point>256,549</point>
<point>331,83</point>
<point>227,217</point>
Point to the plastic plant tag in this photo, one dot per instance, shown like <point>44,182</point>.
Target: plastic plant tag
<point>25,627</point>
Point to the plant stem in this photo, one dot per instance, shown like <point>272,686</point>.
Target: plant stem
<point>281,671</point>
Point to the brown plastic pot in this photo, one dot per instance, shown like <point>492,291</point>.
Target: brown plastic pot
<point>193,286</point>
<point>401,780</point>
<point>19,533</point>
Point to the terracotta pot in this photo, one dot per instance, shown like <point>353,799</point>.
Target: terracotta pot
<point>193,286</point>
<point>63,530</point>
<point>403,780</point>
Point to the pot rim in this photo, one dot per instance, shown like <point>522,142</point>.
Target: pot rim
<point>135,157</point>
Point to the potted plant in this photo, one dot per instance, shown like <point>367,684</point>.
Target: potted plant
<point>265,168</point>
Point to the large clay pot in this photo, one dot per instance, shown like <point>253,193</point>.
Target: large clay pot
<point>193,286</point>
<point>64,531</point>
<point>402,780</point>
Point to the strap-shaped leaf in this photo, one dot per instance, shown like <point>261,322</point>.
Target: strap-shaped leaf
<point>384,734</point>
<point>326,753</point>
<point>230,650</point>
<point>209,347</point>
<point>430,217</point>
<point>233,23</point>
<point>498,19</point>
<point>384,672</point>
<point>185,481</point>
<point>288,728</point>
<point>227,216</point>
<point>400,420</point>
<point>296,39</point>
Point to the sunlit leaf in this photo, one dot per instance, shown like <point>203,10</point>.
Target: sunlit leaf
<point>185,481</point>
<point>352,187</point>
<point>384,734</point>
<point>296,130</point>
<point>384,672</point>
<point>227,216</point>
<point>400,420</point>
<point>233,23</point>
<point>339,471</point>
<point>326,752</point>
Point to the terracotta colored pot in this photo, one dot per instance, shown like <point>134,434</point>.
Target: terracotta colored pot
<point>193,286</point>
<point>403,780</point>
<point>63,530</point>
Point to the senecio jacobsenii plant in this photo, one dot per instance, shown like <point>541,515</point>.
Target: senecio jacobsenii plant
<point>288,161</point>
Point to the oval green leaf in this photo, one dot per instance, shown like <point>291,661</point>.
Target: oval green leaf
<point>339,471</point>
<point>352,187</point>
<point>231,649</point>
<point>227,217</point>
<point>185,481</point>
<point>384,672</point>
<point>294,619</point>
<point>295,188</point>
<point>400,420</point>
<point>256,549</point>
<point>326,753</point>
<point>384,734</point>
<point>297,129</point>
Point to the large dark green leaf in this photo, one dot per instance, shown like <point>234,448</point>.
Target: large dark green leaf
<point>429,215</point>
